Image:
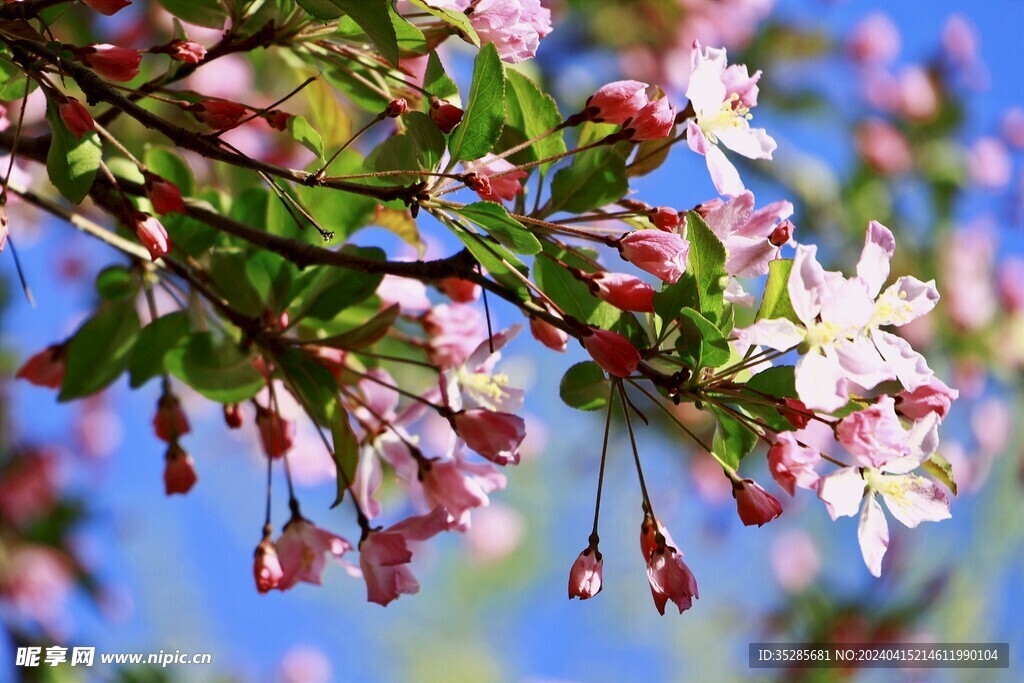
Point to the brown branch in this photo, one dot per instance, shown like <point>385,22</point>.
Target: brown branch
<point>29,9</point>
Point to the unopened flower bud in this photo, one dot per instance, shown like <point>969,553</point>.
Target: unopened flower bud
<point>479,183</point>
<point>585,575</point>
<point>233,416</point>
<point>396,108</point>
<point>782,233</point>
<point>617,102</point>
<point>267,567</point>
<point>549,335</point>
<point>163,195</point>
<point>445,115</point>
<point>218,114</point>
<point>754,504</point>
<point>76,117</point>
<point>152,234</point>
<point>45,368</point>
<point>170,421</point>
<point>623,291</point>
<point>186,51</point>
<point>179,472</point>
<point>614,353</point>
<point>665,218</point>
<point>277,119</point>
<point>653,122</point>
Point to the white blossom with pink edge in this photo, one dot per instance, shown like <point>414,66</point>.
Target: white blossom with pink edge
<point>722,97</point>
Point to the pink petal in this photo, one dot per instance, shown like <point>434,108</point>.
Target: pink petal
<point>842,492</point>
<point>873,267</point>
<point>873,535</point>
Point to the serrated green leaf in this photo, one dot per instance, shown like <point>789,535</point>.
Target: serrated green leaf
<point>733,441</point>
<point>706,264</point>
<point>585,387</point>
<point>776,303</point>
<point>700,343</point>
<point>324,10</point>
<point>325,291</point>
<point>498,261</point>
<point>493,218</point>
<point>530,113</point>
<point>436,81</point>
<point>306,135</point>
<point>427,139</point>
<point>155,340</point>
<point>571,295</point>
<point>217,369</point>
<point>208,13</point>
<point>374,18</point>
<point>98,352</point>
<point>450,16</point>
<point>595,178</point>
<point>71,163</point>
<point>484,113</point>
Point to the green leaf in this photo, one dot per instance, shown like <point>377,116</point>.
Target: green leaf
<point>436,81</point>
<point>366,334</point>
<point>530,113</point>
<point>226,270</point>
<point>700,343</point>
<point>571,295</point>
<point>484,114</point>
<point>940,468</point>
<point>779,380</point>
<point>12,82</point>
<point>208,13</point>
<point>116,282</point>
<point>706,265</point>
<point>453,17</point>
<point>271,277</point>
<point>674,297</point>
<point>171,167</point>
<point>71,163</point>
<point>99,351</point>
<point>650,155</point>
<point>373,17</point>
<point>313,383</point>
<point>155,340</point>
<point>216,369</point>
<point>493,218</point>
<point>328,290</point>
<point>411,40</point>
<point>498,261</point>
<point>595,178</point>
<point>428,140</point>
<point>733,441</point>
<point>345,453</point>
<point>776,303</point>
<point>324,10</point>
<point>306,135</point>
<point>585,387</point>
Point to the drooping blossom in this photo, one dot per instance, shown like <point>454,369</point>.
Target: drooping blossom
<point>875,40</point>
<point>626,292</point>
<point>662,254</point>
<point>498,189</point>
<point>277,433</point>
<point>187,51</point>
<point>549,335</point>
<point>179,471</point>
<point>458,485</point>
<point>446,115</point>
<point>153,235</point>
<point>303,549</point>
<point>911,499</point>
<point>934,397</point>
<point>670,578</point>
<point>233,416</point>
<point>455,330</point>
<point>653,122</point>
<point>614,353</point>
<point>616,102</point>
<point>792,464</point>
<point>164,195</point>
<point>722,97</point>
<point>840,336</point>
<point>76,117</point>
<point>585,574</point>
<point>883,147</point>
<point>111,61</point>
<point>874,435</point>
<point>267,566</point>
<point>45,368</point>
<point>516,27</point>
<point>474,383</point>
<point>494,435</point>
<point>754,504</point>
<point>218,114</point>
<point>170,422</point>
<point>384,556</point>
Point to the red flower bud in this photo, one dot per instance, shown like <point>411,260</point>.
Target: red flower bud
<point>179,472</point>
<point>613,352</point>
<point>662,254</point>
<point>76,117</point>
<point>665,218</point>
<point>170,422</point>
<point>111,61</point>
<point>623,291</point>
<point>782,232</point>
<point>186,51</point>
<point>45,368</point>
<point>445,115</point>
<point>164,195</point>
<point>267,568</point>
<point>152,234</point>
<point>219,115</point>
<point>796,413</point>
<point>617,102</point>
<point>107,7</point>
<point>459,290</point>
<point>396,108</point>
<point>276,433</point>
<point>548,335</point>
<point>653,122</point>
<point>754,504</point>
<point>233,416</point>
<point>479,183</point>
<point>277,119</point>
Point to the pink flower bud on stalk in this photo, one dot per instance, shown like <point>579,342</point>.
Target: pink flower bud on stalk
<point>107,7</point>
<point>170,422</point>
<point>496,179</point>
<point>585,575</point>
<point>616,102</point>
<point>111,61</point>
<point>186,51</point>
<point>496,436</point>
<point>445,115</point>
<point>276,433</point>
<point>163,195</point>
<point>152,235</point>
<point>754,504</point>
<point>218,114</point>
<point>670,578</point>
<point>625,292</point>
<point>480,184</point>
<point>782,233</point>
<point>662,254</point>
<point>459,290</point>
<point>233,416</point>
<point>179,472</point>
<point>277,119</point>
<point>665,218</point>
<point>76,117</point>
<point>267,567</point>
<point>653,122</point>
<point>613,352</point>
<point>45,368</point>
<point>549,335</point>
<point>396,108</point>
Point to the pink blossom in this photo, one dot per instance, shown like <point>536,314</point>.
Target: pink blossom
<point>614,353</point>
<point>111,61</point>
<point>883,147</point>
<point>304,664</point>
<point>507,187</point>
<point>303,549</point>
<point>460,291</point>
<point>267,567</point>
<point>153,235</point>
<point>186,51</point>
<point>795,560</point>
<point>107,7</point>
<point>918,96</point>
<point>617,102</point>
<point>76,117</point>
<point>722,100</point>
<point>497,532</point>
<point>793,465</point>
<point>36,583</point>
<point>410,295</point>
<point>218,114</point>
<point>623,291</point>
<point>875,40</point>
<point>960,40</point>
<point>179,471</point>
<point>934,397</point>
<point>1013,127</point>
<point>455,331</point>
<point>548,335</point>
<point>45,368</point>
<point>989,164</point>
<point>28,487</point>
<point>459,486</point>
<point>662,254</point>
<point>277,434</point>
<point>746,233</point>
<point>655,121</point>
<point>754,504</point>
<point>874,436</point>
<point>496,436</point>
<point>670,578</point>
<point>384,556</point>
<point>170,422</point>
<point>516,27</point>
<point>585,574</point>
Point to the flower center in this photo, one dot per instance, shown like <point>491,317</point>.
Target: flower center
<point>486,389</point>
<point>732,114</point>
<point>822,334</point>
